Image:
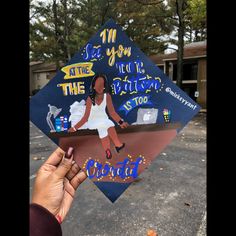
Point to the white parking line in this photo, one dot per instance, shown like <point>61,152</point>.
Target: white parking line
<point>39,136</point>
<point>32,176</point>
<point>202,228</point>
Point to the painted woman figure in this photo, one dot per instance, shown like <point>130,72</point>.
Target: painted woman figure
<point>96,117</point>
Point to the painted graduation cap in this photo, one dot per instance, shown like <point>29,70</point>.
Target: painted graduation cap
<point>140,94</point>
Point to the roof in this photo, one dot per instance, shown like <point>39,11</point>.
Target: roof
<point>44,70</point>
<point>45,67</point>
<point>158,58</point>
<point>32,63</point>
<point>196,44</point>
<point>192,50</point>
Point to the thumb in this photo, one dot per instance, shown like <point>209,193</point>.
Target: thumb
<point>65,164</point>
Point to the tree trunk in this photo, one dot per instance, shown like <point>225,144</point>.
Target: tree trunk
<point>202,34</point>
<point>180,52</point>
<point>190,32</point>
<point>66,35</point>
<point>196,36</point>
<point>104,12</point>
<point>56,35</point>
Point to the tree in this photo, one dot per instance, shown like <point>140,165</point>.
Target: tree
<point>176,12</point>
<point>144,23</point>
<point>196,20</point>
<point>189,19</point>
<point>59,28</point>
<point>51,24</point>
<point>180,7</point>
<point>45,31</point>
<point>93,14</point>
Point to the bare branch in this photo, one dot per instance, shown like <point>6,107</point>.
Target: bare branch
<point>105,12</point>
<point>177,9</point>
<point>176,49</point>
<point>149,3</point>
<point>35,13</point>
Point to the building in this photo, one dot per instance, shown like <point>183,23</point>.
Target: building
<point>40,74</point>
<point>194,70</point>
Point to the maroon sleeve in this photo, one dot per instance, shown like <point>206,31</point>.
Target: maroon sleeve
<point>43,222</point>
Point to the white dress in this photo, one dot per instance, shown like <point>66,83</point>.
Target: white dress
<point>98,118</point>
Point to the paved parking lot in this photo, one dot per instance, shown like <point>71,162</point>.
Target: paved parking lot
<point>168,197</point>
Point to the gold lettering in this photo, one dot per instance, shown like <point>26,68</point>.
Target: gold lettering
<point>81,87</point>
<point>74,88</point>
<point>103,36</point>
<point>78,70</point>
<point>110,32</point>
<point>64,88</point>
<point>120,53</point>
<point>111,36</point>
<point>114,36</point>
<point>111,53</point>
<point>127,51</point>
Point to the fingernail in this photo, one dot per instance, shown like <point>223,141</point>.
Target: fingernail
<point>69,153</point>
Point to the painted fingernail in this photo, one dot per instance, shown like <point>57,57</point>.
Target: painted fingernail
<point>69,152</point>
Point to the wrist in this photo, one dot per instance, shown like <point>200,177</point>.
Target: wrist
<point>44,205</point>
<point>74,128</point>
<point>121,121</point>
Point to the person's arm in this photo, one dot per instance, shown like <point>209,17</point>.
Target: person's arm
<point>43,222</point>
<point>85,117</point>
<point>113,113</point>
<point>54,190</point>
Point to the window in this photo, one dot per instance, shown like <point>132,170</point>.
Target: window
<point>190,70</point>
<point>161,67</point>
<point>48,76</point>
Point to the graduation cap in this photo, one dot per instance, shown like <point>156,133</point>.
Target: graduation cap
<point>134,90</point>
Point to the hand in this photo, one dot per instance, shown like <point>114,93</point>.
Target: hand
<point>56,183</point>
<point>124,125</point>
<point>71,130</point>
